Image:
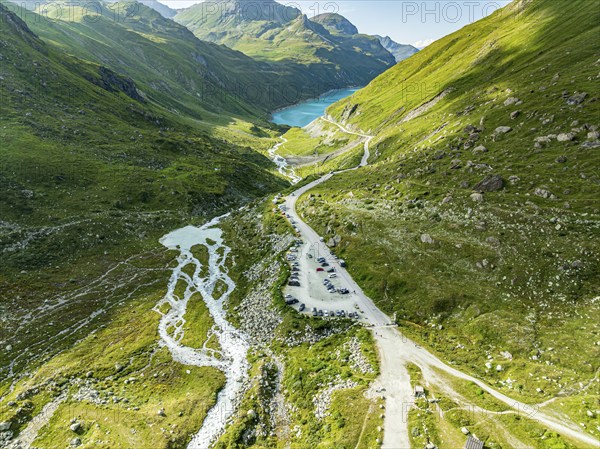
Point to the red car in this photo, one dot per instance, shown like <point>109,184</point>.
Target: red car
<point>320,269</point>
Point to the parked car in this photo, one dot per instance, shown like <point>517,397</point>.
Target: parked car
<point>302,307</point>
<point>331,270</point>
<point>320,269</point>
<point>314,312</point>
<point>324,264</point>
<point>294,284</point>
<point>333,275</point>
<point>342,313</point>
<point>326,313</point>
<point>320,313</point>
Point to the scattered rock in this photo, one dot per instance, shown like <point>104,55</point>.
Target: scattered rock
<point>512,100</point>
<point>491,183</point>
<point>561,159</point>
<point>543,193</point>
<point>455,164</point>
<point>477,197</point>
<point>426,238</point>
<point>161,412</point>
<point>493,241</point>
<point>480,149</point>
<point>499,368</point>
<point>507,355</point>
<point>251,414</point>
<point>75,442</point>
<point>593,135</point>
<point>565,137</point>
<point>75,427</point>
<point>590,145</point>
<point>503,129</point>
<point>577,98</point>
<point>515,114</point>
<point>465,430</point>
<point>4,426</point>
<point>118,367</point>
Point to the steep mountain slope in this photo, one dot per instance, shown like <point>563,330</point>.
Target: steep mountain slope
<point>92,173</point>
<point>339,25</point>
<point>269,31</point>
<point>162,9</point>
<point>203,80</point>
<point>399,51</point>
<point>477,223</point>
<point>336,23</point>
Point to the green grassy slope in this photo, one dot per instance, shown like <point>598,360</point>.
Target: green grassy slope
<point>92,175</point>
<point>269,31</point>
<point>506,271</point>
<point>190,77</point>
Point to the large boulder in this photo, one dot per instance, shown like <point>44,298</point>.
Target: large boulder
<point>512,100</point>
<point>566,137</point>
<point>491,183</point>
<point>503,129</point>
<point>577,98</point>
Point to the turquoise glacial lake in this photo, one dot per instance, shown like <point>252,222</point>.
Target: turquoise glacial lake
<point>302,114</point>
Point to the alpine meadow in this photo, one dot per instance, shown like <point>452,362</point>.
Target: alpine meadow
<point>185,263</point>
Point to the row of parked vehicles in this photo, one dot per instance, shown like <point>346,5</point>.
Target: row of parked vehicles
<point>332,289</point>
<point>337,313</point>
<point>291,301</point>
<point>291,257</point>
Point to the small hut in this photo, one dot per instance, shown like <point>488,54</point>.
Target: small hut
<point>419,392</point>
<point>473,443</point>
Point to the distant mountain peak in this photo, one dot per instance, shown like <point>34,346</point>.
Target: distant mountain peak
<point>159,7</point>
<point>399,51</point>
<point>336,23</point>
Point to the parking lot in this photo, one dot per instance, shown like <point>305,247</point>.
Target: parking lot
<point>315,287</point>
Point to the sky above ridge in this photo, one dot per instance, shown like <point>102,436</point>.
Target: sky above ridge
<point>408,22</point>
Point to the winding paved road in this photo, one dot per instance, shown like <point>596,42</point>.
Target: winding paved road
<point>396,350</point>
